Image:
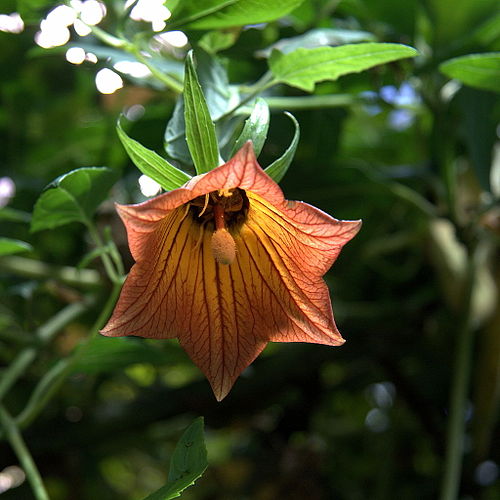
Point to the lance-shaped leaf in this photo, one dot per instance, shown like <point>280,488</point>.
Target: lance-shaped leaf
<point>278,168</point>
<point>152,164</point>
<point>9,246</point>
<point>73,197</point>
<point>303,68</point>
<point>200,129</point>
<point>477,70</point>
<point>188,463</point>
<point>255,128</point>
<point>215,14</point>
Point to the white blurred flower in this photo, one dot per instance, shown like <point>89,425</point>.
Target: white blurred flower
<point>7,190</point>
<point>62,15</point>
<point>107,81</point>
<point>11,23</point>
<point>132,68</point>
<point>153,11</point>
<point>81,28</point>
<point>173,38</point>
<point>75,55</point>
<point>92,12</point>
<point>148,186</point>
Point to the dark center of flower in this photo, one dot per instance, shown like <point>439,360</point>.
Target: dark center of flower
<point>229,206</point>
<point>221,211</point>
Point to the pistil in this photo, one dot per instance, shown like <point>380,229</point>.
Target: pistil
<point>223,244</point>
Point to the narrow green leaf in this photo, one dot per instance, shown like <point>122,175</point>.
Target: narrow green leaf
<point>255,128</point>
<point>188,463</point>
<point>200,129</point>
<point>477,70</point>
<point>152,164</point>
<point>105,355</point>
<point>73,197</point>
<point>303,68</point>
<point>278,168</point>
<point>243,12</point>
<point>9,246</point>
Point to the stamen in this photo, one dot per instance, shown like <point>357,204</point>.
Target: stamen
<point>205,205</point>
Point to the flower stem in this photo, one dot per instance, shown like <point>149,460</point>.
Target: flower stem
<point>310,102</point>
<point>19,446</point>
<point>109,263</point>
<point>450,484</point>
<point>44,334</point>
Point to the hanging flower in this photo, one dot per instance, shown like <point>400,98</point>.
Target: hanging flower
<point>226,265</point>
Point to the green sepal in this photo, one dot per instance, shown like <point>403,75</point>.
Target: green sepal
<point>255,128</point>
<point>200,129</point>
<point>151,163</point>
<point>278,168</point>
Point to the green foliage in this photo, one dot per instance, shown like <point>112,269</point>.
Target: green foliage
<point>152,164</point>
<point>216,14</point>
<point>279,167</point>
<point>395,146</point>
<point>477,70</point>
<point>255,128</point>
<point>200,129</point>
<point>9,246</point>
<point>303,68</point>
<point>188,463</point>
<point>72,197</point>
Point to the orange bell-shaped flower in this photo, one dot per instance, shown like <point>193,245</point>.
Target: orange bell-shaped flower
<point>226,265</point>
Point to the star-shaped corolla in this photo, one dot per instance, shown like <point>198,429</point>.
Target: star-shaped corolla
<point>226,265</point>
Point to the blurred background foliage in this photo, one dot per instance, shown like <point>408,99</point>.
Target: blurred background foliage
<point>409,151</point>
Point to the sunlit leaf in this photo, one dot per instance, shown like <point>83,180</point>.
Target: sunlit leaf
<point>10,246</point>
<point>189,11</point>
<point>73,197</point>
<point>200,129</point>
<point>239,13</point>
<point>152,164</point>
<point>278,168</point>
<point>303,68</point>
<point>477,70</point>
<point>318,37</point>
<point>188,463</point>
<point>255,128</point>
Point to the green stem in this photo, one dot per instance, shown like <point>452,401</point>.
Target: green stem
<point>263,84</point>
<point>109,266</point>
<point>310,102</point>
<point>53,380</point>
<point>31,268</point>
<point>120,43</point>
<point>170,82</point>
<point>458,396</point>
<point>19,446</point>
<point>44,334</point>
